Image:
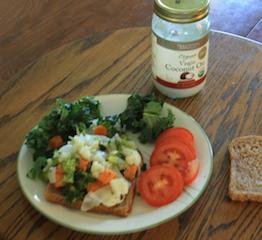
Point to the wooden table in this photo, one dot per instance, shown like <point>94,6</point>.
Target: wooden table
<point>119,62</point>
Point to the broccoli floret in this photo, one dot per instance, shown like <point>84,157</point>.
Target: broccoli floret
<point>77,190</point>
<point>69,167</point>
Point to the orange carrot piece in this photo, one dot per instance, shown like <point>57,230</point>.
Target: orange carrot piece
<point>56,142</point>
<point>82,165</point>
<point>106,176</point>
<point>92,187</point>
<point>130,172</point>
<point>59,169</point>
<point>100,130</point>
<point>59,177</point>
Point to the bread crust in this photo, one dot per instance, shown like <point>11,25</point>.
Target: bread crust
<point>245,155</point>
<point>54,195</point>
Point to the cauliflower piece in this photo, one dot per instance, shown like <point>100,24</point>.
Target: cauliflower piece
<point>63,153</point>
<point>100,157</point>
<point>112,194</point>
<point>96,169</point>
<point>77,142</point>
<point>132,156</point>
<point>119,186</point>
<point>85,152</point>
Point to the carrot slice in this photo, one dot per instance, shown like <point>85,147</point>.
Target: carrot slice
<point>59,175</point>
<point>106,176</point>
<point>59,169</point>
<point>92,187</point>
<point>130,172</point>
<point>82,165</point>
<point>100,130</point>
<point>56,142</point>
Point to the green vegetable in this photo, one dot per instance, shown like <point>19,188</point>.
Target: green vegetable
<point>109,122</point>
<point>63,121</point>
<point>143,114</point>
<point>77,190</point>
<point>37,168</point>
<point>154,123</point>
<point>69,167</point>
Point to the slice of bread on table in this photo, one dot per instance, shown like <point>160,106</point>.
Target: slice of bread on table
<point>123,209</point>
<point>246,169</point>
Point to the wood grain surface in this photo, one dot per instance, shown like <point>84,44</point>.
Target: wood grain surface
<point>120,62</point>
<point>33,28</point>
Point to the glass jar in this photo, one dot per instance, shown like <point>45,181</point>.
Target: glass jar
<point>180,45</point>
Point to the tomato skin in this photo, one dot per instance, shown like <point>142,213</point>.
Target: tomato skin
<point>160,185</point>
<point>175,154</point>
<point>191,172</point>
<point>186,141</point>
<point>178,132</point>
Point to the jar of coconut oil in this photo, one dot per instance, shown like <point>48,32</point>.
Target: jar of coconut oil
<point>180,45</point>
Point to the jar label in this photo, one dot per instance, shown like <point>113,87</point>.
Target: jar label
<point>179,65</point>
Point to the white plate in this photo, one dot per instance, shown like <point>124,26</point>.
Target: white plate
<point>143,216</point>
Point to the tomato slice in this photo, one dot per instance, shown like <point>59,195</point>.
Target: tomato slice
<point>191,172</point>
<point>173,136</point>
<point>160,185</point>
<point>175,154</point>
<point>177,131</point>
<point>187,142</point>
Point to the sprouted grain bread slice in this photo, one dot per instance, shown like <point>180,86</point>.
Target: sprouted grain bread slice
<point>246,169</point>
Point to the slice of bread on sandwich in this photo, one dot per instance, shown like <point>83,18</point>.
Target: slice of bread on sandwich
<point>245,155</point>
<point>123,209</point>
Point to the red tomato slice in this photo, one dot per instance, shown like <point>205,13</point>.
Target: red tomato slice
<point>187,142</point>
<point>173,136</point>
<point>192,171</point>
<point>175,154</point>
<point>178,131</point>
<point>160,185</point>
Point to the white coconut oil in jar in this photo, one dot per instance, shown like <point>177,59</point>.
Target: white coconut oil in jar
<point>180,46</point>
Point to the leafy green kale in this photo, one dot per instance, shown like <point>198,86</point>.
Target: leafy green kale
<point>143,114</point>
<point>154,123</point>
<point>110,123</point>
<point>63,121</point>
<point>76,190</point>
<point>130,118</point>
<point>37,168</point>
